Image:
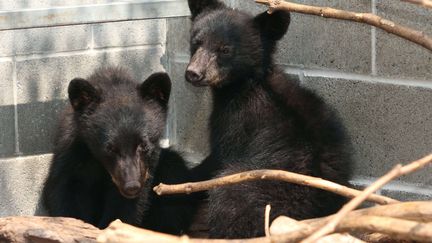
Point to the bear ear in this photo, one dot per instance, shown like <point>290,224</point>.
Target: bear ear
<point>82,94</point>
<point>198,6</point>
<point>156,87</point>
<point>273,26</point>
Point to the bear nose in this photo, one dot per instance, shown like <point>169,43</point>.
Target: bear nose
<point>193,76</point>
<point>132,188</point>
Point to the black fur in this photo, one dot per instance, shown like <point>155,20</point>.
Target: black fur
<point>261,120</point>
<point>107,156</point>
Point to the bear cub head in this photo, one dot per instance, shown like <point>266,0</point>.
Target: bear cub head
<point>121,122</point>
<point>229,46</point>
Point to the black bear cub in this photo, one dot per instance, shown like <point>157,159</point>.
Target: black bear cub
<point>260,120</point>
<point>107,156</point>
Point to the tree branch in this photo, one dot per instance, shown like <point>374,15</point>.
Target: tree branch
<point>118,232</point>
<point>46,229</point>
<point>267,220</point>
<point>424,3</point>
<point>416,211</point>
<point>397,228</point>
<point>415,36</point>
<point>360,220</point>
<point>163,189</point>
<point>355,202</point>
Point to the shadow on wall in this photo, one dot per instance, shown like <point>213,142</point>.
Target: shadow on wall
<point>20,184</point>
<point>42,91</point>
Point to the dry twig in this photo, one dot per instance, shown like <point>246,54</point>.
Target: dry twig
<point>396,228</point>
<point>406,211</point>
<point>355,202</point>
<point>118,232</point>
<point>45,229</point>
<point>415,36</point>
<point>285,225</point>
<point>163,189</point>
<point>267,220</point>
<point>424,3</point>
<point>403,229</point>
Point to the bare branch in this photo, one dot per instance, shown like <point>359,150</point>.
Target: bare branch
<point>404,229</point>
<point>118,232</point>
<point>284,225</point>
<point>424,3</point>
<point>415,36</point>
<point>416,211</point>
<point>397,228</point>
<point>420,211</point>
<point>340,238</point>
<point>46,229</point>
<point>267,220</point>
<point>355,202</point>
<point>281,175</point>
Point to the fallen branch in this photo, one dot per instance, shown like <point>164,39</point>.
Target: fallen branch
<point>404,211</point>
<point>355,202</point>
<point>424,3</point>
<point>284,225</point>
<point>416,211</point>
<point>163,189</point>
<point>415,36</point>
<point>46,229</point>
<point>267,220</point>
<point>359,220</point>
<point>340,238</point>
<point>118,232</point>
<point>397,228</point>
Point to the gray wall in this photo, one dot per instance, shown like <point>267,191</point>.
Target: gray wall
<point>379,84</point>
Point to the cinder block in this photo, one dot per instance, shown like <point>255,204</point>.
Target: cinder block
<point>130,33</point>
<point>420,192</point>
<point>397,189</point>
<point>7,121</point>
<point>313,41</point>
<point>23,4</point>
<point>7,131</point>
<point>387,124</point>
<point>6,83</point>
<point>178,34</point>
<point>397,57</point>
<point>44,40</point>
<point>42,85</point>
<point>20,184</point>
<point>190,108</point>
<point>37,122</point>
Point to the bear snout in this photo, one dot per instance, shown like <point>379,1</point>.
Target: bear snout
<point>193,76</point>
<point>131,189</point>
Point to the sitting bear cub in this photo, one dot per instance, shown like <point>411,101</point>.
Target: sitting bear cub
<point>260,120</point>
<point>107,156</point>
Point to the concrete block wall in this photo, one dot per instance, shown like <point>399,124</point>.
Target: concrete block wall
<point>36,65</point>
<point>379,84</point>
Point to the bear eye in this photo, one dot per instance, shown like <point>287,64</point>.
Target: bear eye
<point>112,149</point>
<point>225,50</point>
<point>196,42</point>
<point>142,148</point>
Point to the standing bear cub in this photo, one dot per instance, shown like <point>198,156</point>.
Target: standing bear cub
<point>107,155</point>
<point>260,120</point>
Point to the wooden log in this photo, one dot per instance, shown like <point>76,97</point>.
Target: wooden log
<point>118,232</point>
<point>46,230</point>
<point>414,211</point>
